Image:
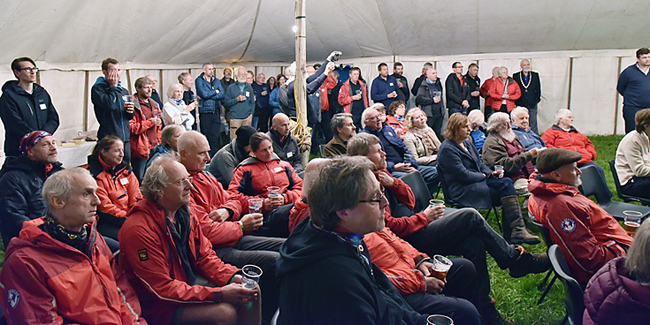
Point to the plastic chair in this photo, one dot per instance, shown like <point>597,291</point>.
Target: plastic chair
<point>593,184</point>
<point>419,188</point>
<point>450,200</point>
<point>274,319</point>
<point>574,301</point>
<point>619,190</point>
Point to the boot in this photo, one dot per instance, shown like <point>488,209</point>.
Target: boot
<point>528,263</point>
<point>514,228</point>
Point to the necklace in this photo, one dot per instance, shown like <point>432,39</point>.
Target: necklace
<point>530,78</point>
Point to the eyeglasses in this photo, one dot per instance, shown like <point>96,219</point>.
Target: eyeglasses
<point>182,182</point>
<point>379,200</point>
<point>376,117</point>
<point>34,69</point>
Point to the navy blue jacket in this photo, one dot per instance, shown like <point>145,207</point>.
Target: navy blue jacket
<point>261,102</point>
<point>381,88</point>
<point>313,85</point>
<point>529,139</point>
<point>392,145</point>
<point>633,85</point>
<point>209,101</point>
<point>22,113</point>
<point>463,172</point>
<point>109,110</point>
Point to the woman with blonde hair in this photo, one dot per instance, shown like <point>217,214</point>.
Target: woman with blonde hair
<point>420,139</point>
<point>175,110</point>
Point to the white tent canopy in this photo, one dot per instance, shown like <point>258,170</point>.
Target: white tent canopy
<point>578,47</point>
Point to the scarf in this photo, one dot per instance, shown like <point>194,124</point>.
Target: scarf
<point>178,102</point>
<point>75,239</point>
<point>429,140</point>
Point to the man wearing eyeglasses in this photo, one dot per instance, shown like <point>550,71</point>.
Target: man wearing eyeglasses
<point>458,94</point>
<point>25,106</point>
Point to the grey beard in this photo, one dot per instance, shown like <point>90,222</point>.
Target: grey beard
<point>508,135</point>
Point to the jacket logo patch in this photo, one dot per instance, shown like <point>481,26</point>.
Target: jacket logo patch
<point>142,254</point>
<point>13,297</point>
<point>568,225</point>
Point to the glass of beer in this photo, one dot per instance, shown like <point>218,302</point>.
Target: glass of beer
<point>632,221</point>
<point>439,320</point>
<point>441,266</point>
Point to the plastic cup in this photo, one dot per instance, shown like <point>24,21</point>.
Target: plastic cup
<point>498,168</point>
<point>439,320</point>
<point>255,205</point>
<point>250,276</point>
<point>274,191</point>
<point>632,221</point>
<point>436,203</point>
<point>127,99</point>
<point>441,266</point>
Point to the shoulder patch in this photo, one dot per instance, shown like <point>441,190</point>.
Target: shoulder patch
<point>568,225</point>
<point>142,254</point>
<point>13,297</point>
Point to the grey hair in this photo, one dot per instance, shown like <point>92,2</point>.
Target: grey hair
<point>205,65</point>
<point>503,67</point>
<point>172,88</point>
<point>476,117</point>
<point>562,112</point>
<point>496,119</point>
<point>339,185</point>
<point>169,131</point>
<point>374,107</point>
<point>359,144</point>
<point>183,76</point>
<point>637,261</point>
<point>516,111</point>
<point>60,184</point>
<point>155,177</point>
<point>338,120</point>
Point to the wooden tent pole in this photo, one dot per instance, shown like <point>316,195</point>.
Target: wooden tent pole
<point>301,58</point>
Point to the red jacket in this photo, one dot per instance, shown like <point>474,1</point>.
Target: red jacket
<point>145,135</point>
<point>485,88</point>
<point>327,85</point>
<point>45,281</point>
<point>587,235</point>
<point>253,176</point>
<point>207,195</point>
<point>118,188</point>
<point>149,257</point>
<point>556,137</point>
<point>398,126</point>
<point>397,259</point>
<point>496,91</point>
<point>346,100</point>
<point>299,211</point>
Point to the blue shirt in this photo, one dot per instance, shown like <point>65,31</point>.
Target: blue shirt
<point>479,139</point>
<point>529,138</point>
<point>381,88</point>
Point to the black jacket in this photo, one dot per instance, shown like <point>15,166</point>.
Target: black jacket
<point>425,96</point>
<point>326,280</point>
<point>456,93</point>
<point>417,83</point>
<point>21,182</point>
<point>473,84</point>
<point>22,113</point>
<point>404,93</point>
<point>289,152</point>
<point>531,95</point>
<point>109,110</point>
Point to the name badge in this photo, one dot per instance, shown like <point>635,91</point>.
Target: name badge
<point>390,84</point>
<point>289,154</point>
<point>278,169</point>
<point>248,94</point>
<point>43,106</point>
<point>124,181</point>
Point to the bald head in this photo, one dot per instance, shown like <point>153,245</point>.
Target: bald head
<point>194,151</point>
<point>281,124</point>
<point>311,171</point>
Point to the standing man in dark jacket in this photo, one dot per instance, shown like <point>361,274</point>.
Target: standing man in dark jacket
<point>210,93</point>
<point>25,106</point>
<point>473,84</point>
<point>21,181</point>
<point>384,88</point>
<point>457,90</point>
<point>531,91</point>
<point>429,97</point>
<point>633,85</point>
<point>262,108</point>
<point>418,80</point>
<point>185,79</point>
<point>402,83</point>
<point>111,110</point>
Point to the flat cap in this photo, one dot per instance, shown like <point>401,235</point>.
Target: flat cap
<point>551,159</point>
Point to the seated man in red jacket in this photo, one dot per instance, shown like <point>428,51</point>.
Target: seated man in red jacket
<point>587,235</point>
<point>60,270</point>
<point>168,259</point>
<point>220,221</point>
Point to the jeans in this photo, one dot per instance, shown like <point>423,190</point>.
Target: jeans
<point>500,188</point>
<point>465,233</point>
<point>138,165</point>
<point>211,128</point>
<point>462,110</point>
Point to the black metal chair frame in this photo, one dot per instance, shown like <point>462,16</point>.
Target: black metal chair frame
<point>574,301</point>
<point>619,190</point>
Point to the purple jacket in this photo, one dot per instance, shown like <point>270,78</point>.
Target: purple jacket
<point>612,297</point>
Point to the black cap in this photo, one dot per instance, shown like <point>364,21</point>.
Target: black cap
<point>551,159</point>
<point>244,134</point>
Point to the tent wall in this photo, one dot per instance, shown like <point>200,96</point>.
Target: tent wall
<point>589,75</point>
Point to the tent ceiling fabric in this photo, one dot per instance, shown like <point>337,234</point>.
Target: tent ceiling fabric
<point>192,31</point>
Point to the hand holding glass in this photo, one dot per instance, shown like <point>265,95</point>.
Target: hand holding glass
<point>255,205</point>
<point>250,276</point>
<point>440,267</point>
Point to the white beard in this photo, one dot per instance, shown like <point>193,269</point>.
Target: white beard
<point>508,135</point>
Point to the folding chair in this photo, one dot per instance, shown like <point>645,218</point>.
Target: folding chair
<point>544,286</point>
<point>574,301</point>
<point>419,188</point>
<point>619,190</point>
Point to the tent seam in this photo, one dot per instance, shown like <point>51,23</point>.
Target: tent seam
<point>250,38</point>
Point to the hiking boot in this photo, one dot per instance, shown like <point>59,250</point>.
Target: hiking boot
<point>514,228</point>
<point>528,263</point>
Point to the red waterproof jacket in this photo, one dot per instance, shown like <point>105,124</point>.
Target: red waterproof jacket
<point>496,91</point>
<point>118,188</point>
<point>145,135</point>
<point>397,259</point>
<point>345,99</point>
<point>587,235</point>
<point>208,195</point>
<point>253,177</point>
<point>485,88</point>
<point>556,137</point>
<point>149,257</point>
<point>299,211</point>
<point>45,281</point>
<point>327,85</point>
